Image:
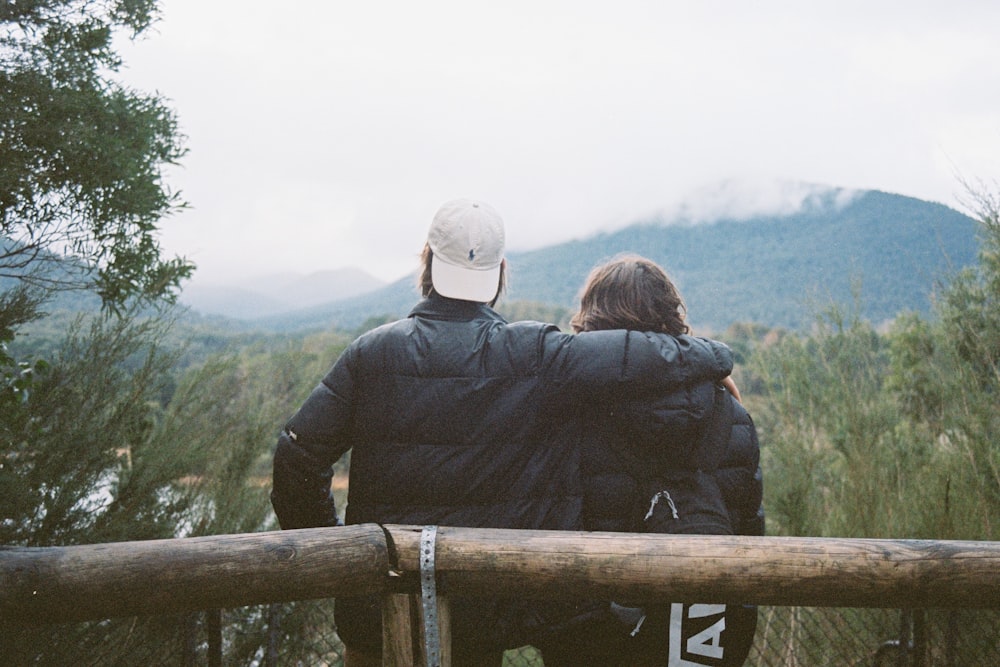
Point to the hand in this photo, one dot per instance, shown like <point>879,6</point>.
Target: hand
<point>730,384</point>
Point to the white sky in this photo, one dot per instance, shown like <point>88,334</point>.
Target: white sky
<point>325,133</point>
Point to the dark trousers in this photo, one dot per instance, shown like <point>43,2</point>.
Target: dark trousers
<point>607,641</point>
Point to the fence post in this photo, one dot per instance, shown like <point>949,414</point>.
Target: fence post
<point>273,634</point>
<point>403,630</point>
<point>444,618</point>
<point>903,655</point>
<point>213,626</point>
<point>400,644</point>
<point>919,638</point>
<point>951,641</point>
<point>190,640</point>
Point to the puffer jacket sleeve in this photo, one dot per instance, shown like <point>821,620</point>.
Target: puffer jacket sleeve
<point>751,522</point>
<point>308,446</point>
<point>627,364</point>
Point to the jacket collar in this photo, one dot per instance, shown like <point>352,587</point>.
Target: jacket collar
<point>437,307</point>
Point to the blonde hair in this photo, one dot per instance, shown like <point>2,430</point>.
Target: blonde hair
<point>631,292</point>
<point>426,285</point>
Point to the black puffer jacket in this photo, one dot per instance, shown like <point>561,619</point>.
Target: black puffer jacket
<point>447,414</point>
<point>684,462</point>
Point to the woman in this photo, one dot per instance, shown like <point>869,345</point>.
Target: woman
<point>688,465</point>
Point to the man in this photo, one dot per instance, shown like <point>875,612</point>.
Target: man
<point>448,414</point>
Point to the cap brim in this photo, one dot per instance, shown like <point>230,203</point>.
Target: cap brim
<point>457,282</point>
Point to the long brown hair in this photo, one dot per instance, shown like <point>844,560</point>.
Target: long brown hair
<point>631,292</point>
<point>426,285</point>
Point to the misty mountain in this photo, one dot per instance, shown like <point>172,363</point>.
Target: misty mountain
<point>776,270</point>
<point>278,293</point>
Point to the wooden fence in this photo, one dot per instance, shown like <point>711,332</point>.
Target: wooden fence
<point>41,585</point>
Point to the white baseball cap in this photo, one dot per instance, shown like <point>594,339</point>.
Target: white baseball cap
<point>467,239</point>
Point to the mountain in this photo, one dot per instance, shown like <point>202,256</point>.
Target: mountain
<point>776,270</point>
<point>278,293</point>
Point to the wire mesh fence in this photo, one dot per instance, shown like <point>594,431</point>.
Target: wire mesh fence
<point>793,636</point>
<point>303,634</point>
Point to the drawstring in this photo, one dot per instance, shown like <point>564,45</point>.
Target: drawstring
<point>634,616</point>
<point>638,625</point>
<point>659,495</point>
<point>620,611</point>
<point>656,498</point>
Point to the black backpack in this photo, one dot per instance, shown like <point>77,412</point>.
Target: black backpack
<point>689,501</point>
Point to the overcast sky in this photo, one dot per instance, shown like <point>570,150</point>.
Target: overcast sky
<point>324,134</point>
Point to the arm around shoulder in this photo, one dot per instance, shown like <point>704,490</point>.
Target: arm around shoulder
<point>632,362</point>
<point>666,360</point>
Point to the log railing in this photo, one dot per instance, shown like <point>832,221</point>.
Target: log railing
<point>62,584</point>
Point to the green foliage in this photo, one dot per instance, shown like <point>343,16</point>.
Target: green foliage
<point>227,413</point>
<point>75,467</point>
<point>81,156</point>
<point>888,435</point>
<point>970,307</point>
<point>948,373</point>
<point>16,376</point>
<point>820,416</point>
<point>515,311</point>
<point>117,441</point>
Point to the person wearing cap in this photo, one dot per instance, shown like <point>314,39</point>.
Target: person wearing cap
<point>452,416</point>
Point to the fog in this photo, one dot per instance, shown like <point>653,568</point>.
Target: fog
<point>324,135</point>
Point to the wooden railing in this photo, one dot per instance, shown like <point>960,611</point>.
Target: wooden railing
<point>44,585</point>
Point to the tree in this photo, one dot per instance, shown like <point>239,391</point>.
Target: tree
<point>75,465</point>
<point>81,169</point>
<point>827,430</point>
<point>81,155</point>
<point>948,374</point>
